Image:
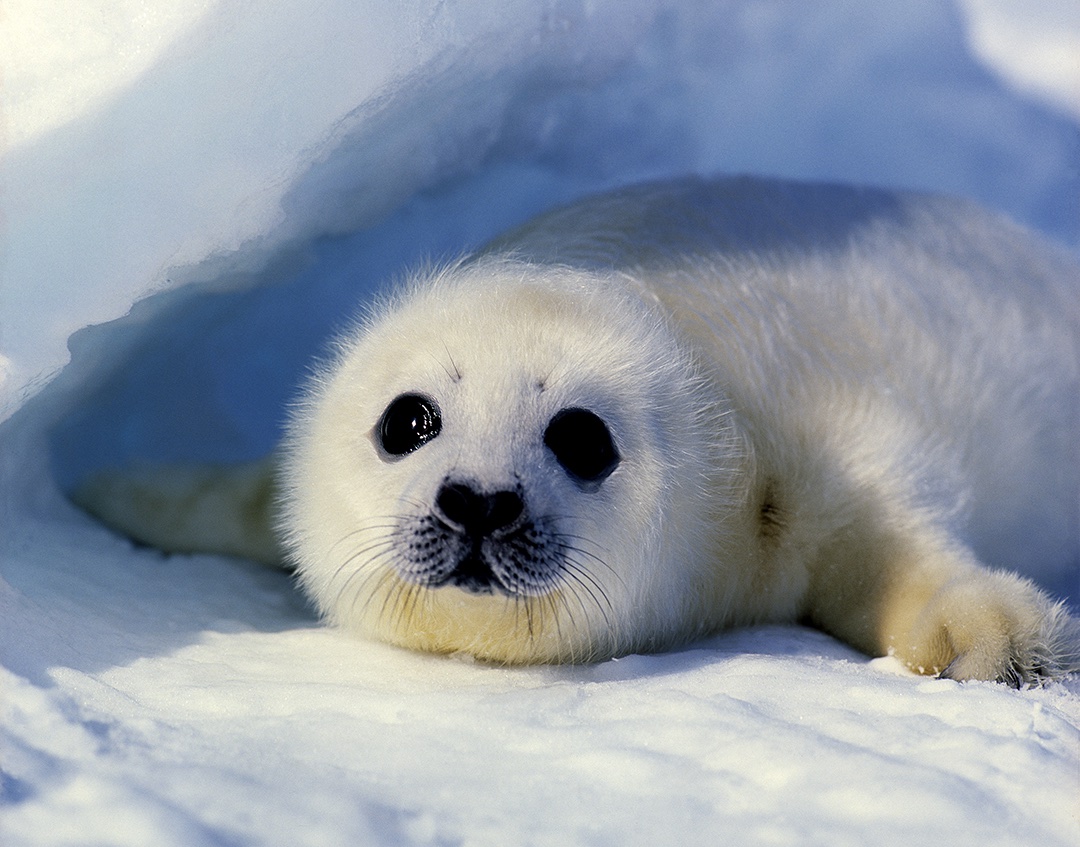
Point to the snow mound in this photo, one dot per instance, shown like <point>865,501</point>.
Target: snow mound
<point>247,181</point>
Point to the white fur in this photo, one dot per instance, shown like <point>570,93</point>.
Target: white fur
<point>502,347</point>
<point>830,405</point>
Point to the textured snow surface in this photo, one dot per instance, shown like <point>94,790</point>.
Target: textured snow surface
<point>192,702</point>
<point>264,174</point>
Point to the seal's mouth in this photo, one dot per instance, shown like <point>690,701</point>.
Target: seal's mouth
<point>476,571</point>
<point>475,576</point>
<point>524,559</point>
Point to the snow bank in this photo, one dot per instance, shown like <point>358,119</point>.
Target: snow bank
<point>250,132</point>
<point>262,174</point>
<point>193,702</point>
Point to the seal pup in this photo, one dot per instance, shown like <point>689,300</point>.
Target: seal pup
<point>697,404</point>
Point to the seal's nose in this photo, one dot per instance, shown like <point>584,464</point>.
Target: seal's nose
<point>477,513</point>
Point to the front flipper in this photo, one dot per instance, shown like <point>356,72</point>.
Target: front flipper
<point>925,599</point>
<point>225,509</point>
<point>990,625</point>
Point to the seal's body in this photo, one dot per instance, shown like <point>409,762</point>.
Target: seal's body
<point>685,406</point>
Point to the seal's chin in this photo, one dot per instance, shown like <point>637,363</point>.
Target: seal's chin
<point>520,594</point>
<point>491,624</point>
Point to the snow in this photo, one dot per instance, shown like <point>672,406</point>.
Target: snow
<point>249,178</point>
<point>1038,54</point>
<point>214,711</point>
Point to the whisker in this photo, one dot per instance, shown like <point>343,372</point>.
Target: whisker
<point>551,601</point>
<point>387,571</point>
<point>381,576</point>
<point>523,603</point>
<point>583,575</point>
<point>595,590</point>
<point>369,568</point>
<point>568,548</point>
<point>402,592</point>
<point>366,527</point>
<point>416,594</point>
<point>588,588</point>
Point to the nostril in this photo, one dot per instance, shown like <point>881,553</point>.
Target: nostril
<point>461,504</point>
<point>504,508</point>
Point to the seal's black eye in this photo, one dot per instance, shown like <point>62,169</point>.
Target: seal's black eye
<point>408,423</point>
<point>582,443</point>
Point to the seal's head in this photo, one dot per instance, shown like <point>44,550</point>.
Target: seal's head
<point>514,461</point>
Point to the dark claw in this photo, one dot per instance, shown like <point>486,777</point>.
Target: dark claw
<point>946,672</point>
<point>1012,676</point>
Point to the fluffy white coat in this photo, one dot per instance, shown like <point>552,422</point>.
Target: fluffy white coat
<point>845,407</point>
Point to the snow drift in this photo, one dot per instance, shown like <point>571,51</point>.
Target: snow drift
<point>247,191</point>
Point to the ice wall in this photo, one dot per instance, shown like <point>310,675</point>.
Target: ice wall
<point>289,162</point>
